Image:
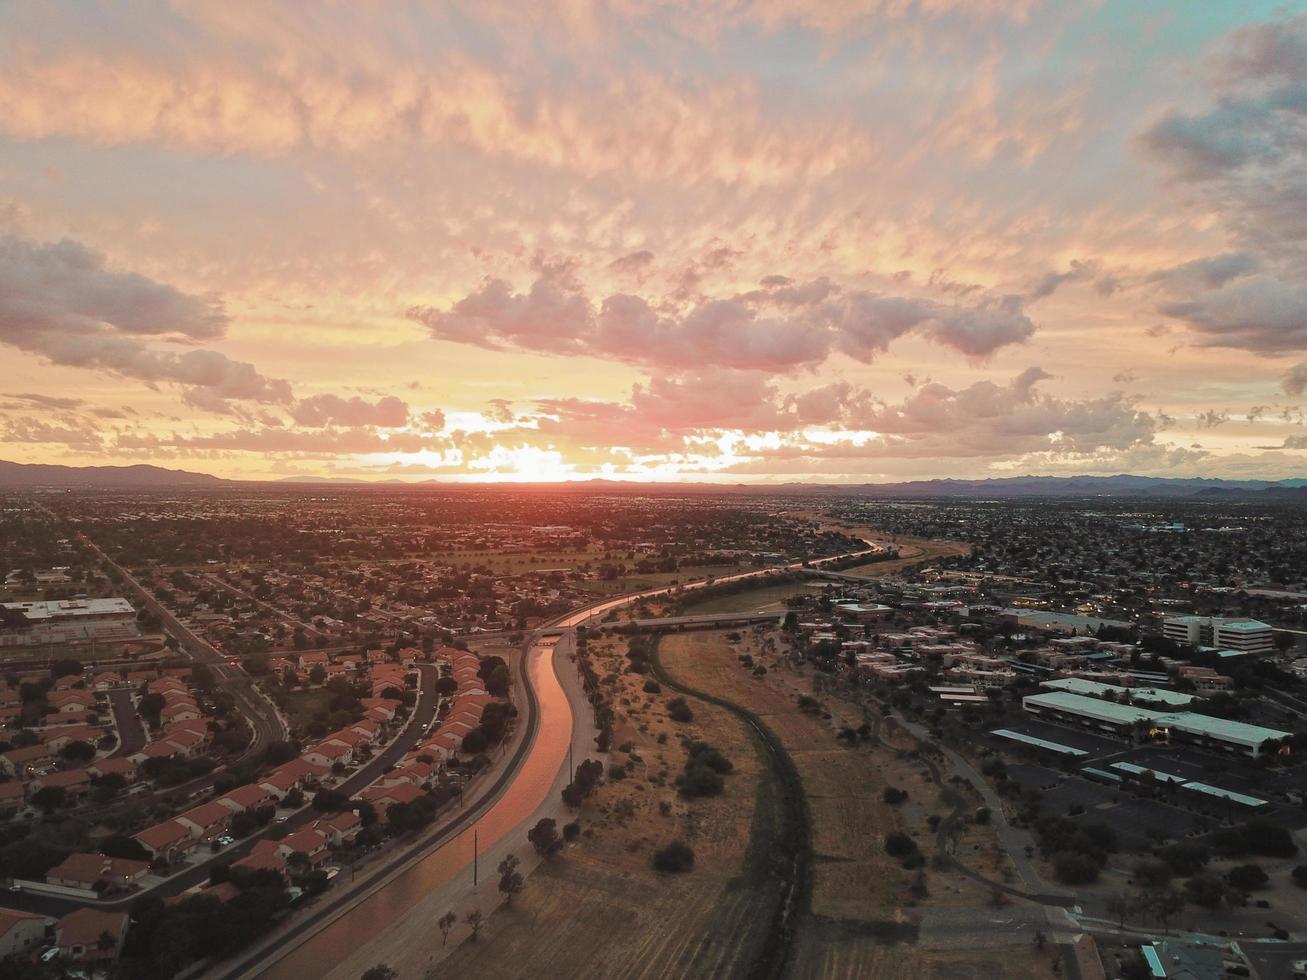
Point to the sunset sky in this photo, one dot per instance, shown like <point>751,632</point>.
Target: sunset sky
<point>835,240</point>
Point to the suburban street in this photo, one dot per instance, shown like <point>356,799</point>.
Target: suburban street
<point>265,724</point>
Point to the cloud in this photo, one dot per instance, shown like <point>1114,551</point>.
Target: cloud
<point>1294,382</point>
<point>780,327</point>
<point>1243,161</point>
<point>1257,313</point>
<point>985,419</point>
<point>48,401</point>
<point>635,265</point>
<point>323,410</point>
<point>74,434</point>
<point>319,442</point>
<point>61,302</point>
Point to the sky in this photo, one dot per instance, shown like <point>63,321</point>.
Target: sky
<point>726,241</point>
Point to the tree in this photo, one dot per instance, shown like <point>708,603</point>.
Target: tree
<point>674,857</point>
<point>445,923</point>
<point>1164,904</point>
<point>510,879</point>
<point>78,751</point>
<point>330,801</point>
<point>1247,877</point>
<point>1120,904</point>
<point>50,798</point>
<point>380,972</point>
<point>474,919</point>
<point>544,837</point>
<point>1075,868</point>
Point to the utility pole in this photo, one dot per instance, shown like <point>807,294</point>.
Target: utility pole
<point>570,775</point>
<point>474,857</point>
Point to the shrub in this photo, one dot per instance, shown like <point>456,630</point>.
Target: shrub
<point>678,710</point>
<point>674,857</point>
<point>899,845</point>
<point>1300,876</point>
<point>1185,859</point>
<point>982,815</point>
<point>1247,877</point>
<point>1075,868</point>
<point>893,795</point>
<point>571,831</point>
<point>651,686</point>
<point>700,781</point>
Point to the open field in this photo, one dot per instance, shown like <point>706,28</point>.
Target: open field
<point>599,909</point>
<point>751,600</point>
<point>302,705</point>
<point>863,903</point>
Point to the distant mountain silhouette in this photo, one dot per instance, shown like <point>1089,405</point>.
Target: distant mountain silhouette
<point>1123,485</point>
<point>50,475</point>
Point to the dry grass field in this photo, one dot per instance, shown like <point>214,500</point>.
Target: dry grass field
<point>599,909</point>
<point>863,902</point>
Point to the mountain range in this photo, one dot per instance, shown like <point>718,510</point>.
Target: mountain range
<point>34,475</point>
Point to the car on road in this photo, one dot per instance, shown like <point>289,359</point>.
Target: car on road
<point>332,872</point>
<point>1299,968</point>
<point>226,840</point>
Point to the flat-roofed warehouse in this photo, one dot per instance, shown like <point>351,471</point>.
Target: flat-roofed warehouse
<point>69,620</point>
<point>1121,719</point>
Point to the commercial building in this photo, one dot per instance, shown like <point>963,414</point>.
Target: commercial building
<point>69,621</point>
<point>1241,635</point>
<point>1124,719</point>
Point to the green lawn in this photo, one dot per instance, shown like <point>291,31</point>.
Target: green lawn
<point>750,599</point>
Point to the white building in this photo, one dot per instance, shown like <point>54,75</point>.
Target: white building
<point>1243,635</point>
<point>70,621</point>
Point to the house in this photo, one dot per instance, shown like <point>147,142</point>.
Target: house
<point>106,680</point>
<point>187,743</point>
<point>88,870</point>
<point>342,828</point>
<point>384,796</point>
<point>328,753</point>
<point>294,774</point>
<point>89,934</point>
<point>206,821</point>
<point>120,765</point>
<point>167,841</point>
<point>25,762</point>
<point>21,932</point>
<point>74,782</point>
<point>370,729</point>
<point>247,797</point>
<point>11,798</point>
<point>179,711</point>
<point>56,738</point>
<point>310,842</point>
<point>416,773</point>
<point>156,750</point>
<point>310,660</point>
<point>264,857</point>
<point>70,700</point>
<point>165,684</point>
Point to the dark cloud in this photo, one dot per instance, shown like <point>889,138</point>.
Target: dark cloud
<point>1244,161</point>
<point>1294,382</point>
<point>48,401</point>
<point>781,327</point>
<point>61,302</point>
